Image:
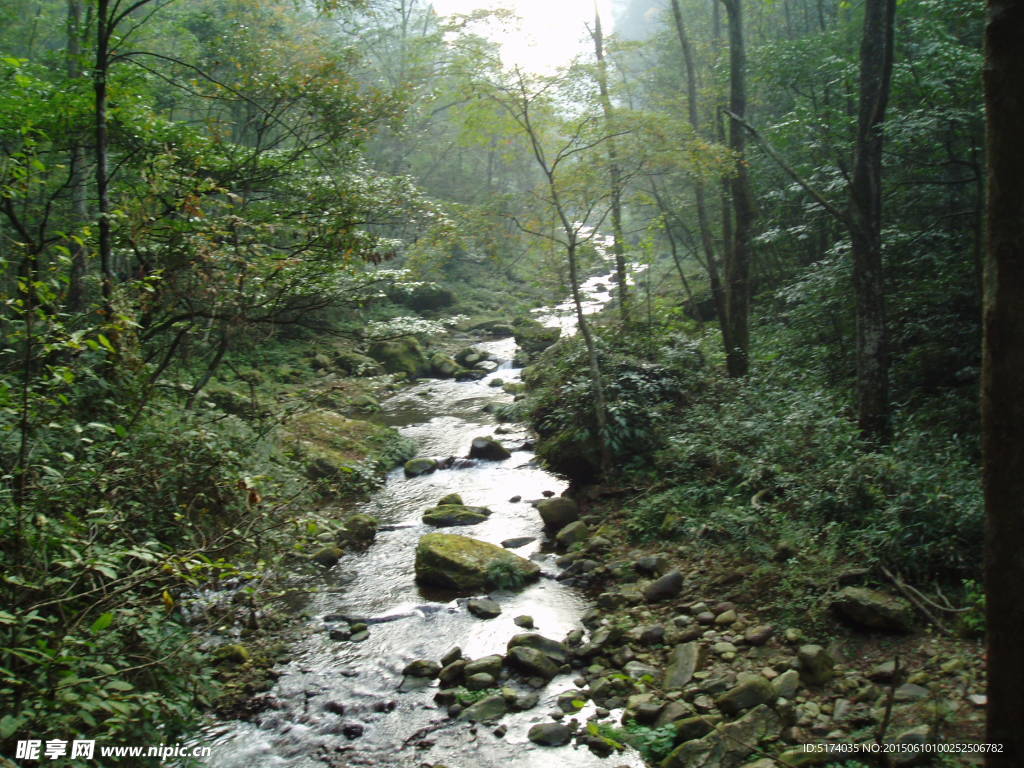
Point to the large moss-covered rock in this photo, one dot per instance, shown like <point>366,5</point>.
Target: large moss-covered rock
<point>488,448</point>
<point>355,364</point>
<point>446,515</point>
<point>443,366</point>
<point>404,355</point>
<point>465,564</point>
<point>345,456</point>
<point>422,465</point>
<point>558,512</point>
<point>872,609</point>
<point>533,338</point>
<point>421,296</point>
<point>359,530</point>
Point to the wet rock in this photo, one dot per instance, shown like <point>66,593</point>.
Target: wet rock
<point>451,498</point>
<point>449,515</point>
<point>554,650</point>
<point>480,681</point>
<point>483,608</point>
<point>334,707</point>
<point>638,670</point>
<point>488,448</point>
<point>451,656</point>
<point>359,530</point>
<point>526,622</point>
<point>422,668</point>
<point>515,499</point>
<point>453,673</point>
<point>684,661</point>
<point>549,734</point>
<point>443,366</point>
<point>532,662</point>
<point>489,708</point>
<point>520,701</point>
<point>575,532</point>
<point>674,710</point>
<point>653,634</point>
<point>339,633</point>
<point>570,702</point>
<point>327,556</point>
<point>558,512</point>
<point>519,541</point>
<point>358,637</point>
<point>462,563</point>
<point>487,665</point>
<point>753,689</point>
<point>884,672</point>
<point>420,466</point>
<point>352,730</point>
<point>665,587</point>
<point>816,665</point>
<point>871,609</point>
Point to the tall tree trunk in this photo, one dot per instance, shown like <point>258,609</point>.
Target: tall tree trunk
<point>737,262</point>
<point>703,221</point>
<point>100,73</point>
<point>872,351</point>
<point>614,171</point>
<point>1002,383</point>
<point>76,166</point>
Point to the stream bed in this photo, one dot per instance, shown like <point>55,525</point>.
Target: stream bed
<point>338,703</point>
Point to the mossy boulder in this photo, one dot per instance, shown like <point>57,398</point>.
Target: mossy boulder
<point>345,456</point>
<point>404,355</point>
<point>327,556</point>
<point>871,609</point>
<point>470,356</point>
<point>488,448</point>
<point>451,498</point>
<point>533,338</point>
<point>443,366</point>
<point>422,296</point>
<point>465,564</point>
<point>359,530</point>
<point>447,515</point>
<point>355,364</point>
<point>558,512</point>
<point>422,465</point>
<point>233,653</point>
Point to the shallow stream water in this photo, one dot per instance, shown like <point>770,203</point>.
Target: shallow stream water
<point>307,727</point>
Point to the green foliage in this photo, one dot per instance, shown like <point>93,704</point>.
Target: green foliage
<point>465,697</point>
<point>972,621</point>
<point>501,574</point>
<point>653,743</point>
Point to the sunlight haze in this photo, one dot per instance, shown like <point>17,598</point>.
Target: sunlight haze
<point>550,34</point>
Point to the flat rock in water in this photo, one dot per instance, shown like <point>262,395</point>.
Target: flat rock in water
<point>490,708</point>
<point>558,512</point>
<point>488,448</point>
<point>484,608</point>
<point>449,515</point>
<point>550,734</point>
<point>520,541</point>
<point>461,563</point>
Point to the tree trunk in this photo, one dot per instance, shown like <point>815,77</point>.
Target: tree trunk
<point>737,262</point>
<point>1002,383</point>
<point>703,221</point>
<point>76,166</point>
<point>876,56</point>
<point>614,171</point>
<point>100,73</point>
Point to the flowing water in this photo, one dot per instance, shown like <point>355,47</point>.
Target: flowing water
<point>306,727</point>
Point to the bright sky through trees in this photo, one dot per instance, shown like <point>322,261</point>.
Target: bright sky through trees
<point>551,33</point>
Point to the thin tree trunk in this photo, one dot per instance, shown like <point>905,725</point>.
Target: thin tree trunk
<point>1002,384</point>
<point>703,221</point>
<point>100,73</point>
<point>76,166</point>
<point>872,348</point>
<point>614,171</point>
<point>737,263</point>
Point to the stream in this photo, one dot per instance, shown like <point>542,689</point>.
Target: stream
<point>338,702</point>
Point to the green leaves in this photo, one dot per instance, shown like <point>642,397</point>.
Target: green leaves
<point>102,622</point>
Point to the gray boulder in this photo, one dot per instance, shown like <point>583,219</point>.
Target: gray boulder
<point>664,587</point>
<point>871,609</point>
<point>558,512</point>
<point>488,448</point>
